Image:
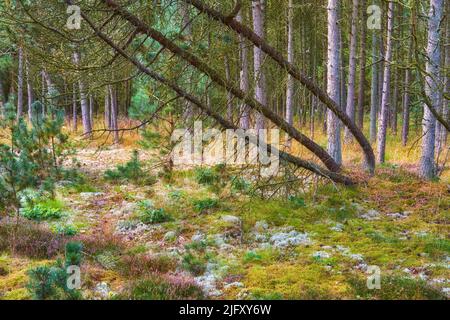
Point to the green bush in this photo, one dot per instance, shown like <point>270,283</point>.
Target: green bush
<point>65,230</point>
<point>206,176</point>
<point>73,253</point>
<point>203,205</point>
<point>131,171</point>
<point>155,216</point>
<point>40,212</point>
<point>297,202</point>
<point>194,264</point>
<point>239,184</point>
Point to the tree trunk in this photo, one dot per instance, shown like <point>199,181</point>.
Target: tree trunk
<point>85,115</point>
<point>427,165</point>
<point>91,109</point>
<point>74,109</point>
<point>29,90</point>
<point>258,59</point>
<point>114,113</point>
<point>374,101</point>
<point>406,95</point>
<point>20,85</point>
<point>382,126</point>
<point>244,111</point>
<point>229,94</point>
<point>350,106</point>
<point>290,80</point>
<point>107,109</point>
<point>362,68</point>
<point>333,82</point>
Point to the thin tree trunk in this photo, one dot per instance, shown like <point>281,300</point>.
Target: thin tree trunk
<point>85,115</point>
<point>29,90</point>
<point>258,59</point>
<point>91,109</point>
<point>107,109</point>
<point>114,113</point>
<point>290,80</point>
<point>74,109</point>
<point>333,83</point>
<point>229,94</point>
<point>382,126</point>
<point>350,106</point>
<point>406,95</point>
<point>374,101</point>
<point>20,84</point>
<point>362,68</point>
<point>244,111</point>
<point>427,164</point>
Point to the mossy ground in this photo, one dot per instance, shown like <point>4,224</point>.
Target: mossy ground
<point>412,251</point>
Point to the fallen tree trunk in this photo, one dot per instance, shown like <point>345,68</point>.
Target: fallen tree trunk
<point>243,30</point>
<point>336,177</point>
<point>321,153</point>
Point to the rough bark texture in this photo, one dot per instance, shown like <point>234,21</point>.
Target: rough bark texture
<point>333,82</point>
<point>374,101</point>
<point>427,163</point>
<point>107,109</point>
<point>407,96</point>
<point>244,111</point>
<point>362,68</point>
<point>350,107</point>
<point>85,115</point>
<point>258,61</point>
<point>384,114</point>
<point>290,80</point>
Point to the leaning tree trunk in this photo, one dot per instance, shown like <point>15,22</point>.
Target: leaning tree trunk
<point>20,84</point>
<point>85,115</point>
<point>244,111</point>
<point>427,164</point>
<point>290,80</point>
<point>333,82</point>
<point>350,107</point>
<point>384,114</point>
<point>258,60</point>
<point>362,68</point>
<point>29,90</point>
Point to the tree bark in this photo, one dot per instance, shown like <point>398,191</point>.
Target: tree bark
<point>244,111</point>
<point>114,113</point>
<point>384,115</point>
<point>290,80</point>
<point>107,109</point>
<point>20,84</point>
<point>29,90</point>
<point>362,68</point>
<point>427,164</point>
<point>334,80</point>
<point>374,101</point>
<point>258,60</point>
<point>85,115</point>
<point>407,96</point>
<point>74,109</point>
<point>350,107</point>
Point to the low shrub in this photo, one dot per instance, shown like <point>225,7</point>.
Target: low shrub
<point>40,212</point>
<point>131,171</point>
<point>206,176</point>
<point>155,216</point>
<point>204,205</point>
<point>194,263</point>
<point>30,240</point>
<point>135,266</point>
<point>160,287</point>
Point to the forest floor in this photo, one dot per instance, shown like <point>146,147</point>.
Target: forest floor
<point>219,242</point>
